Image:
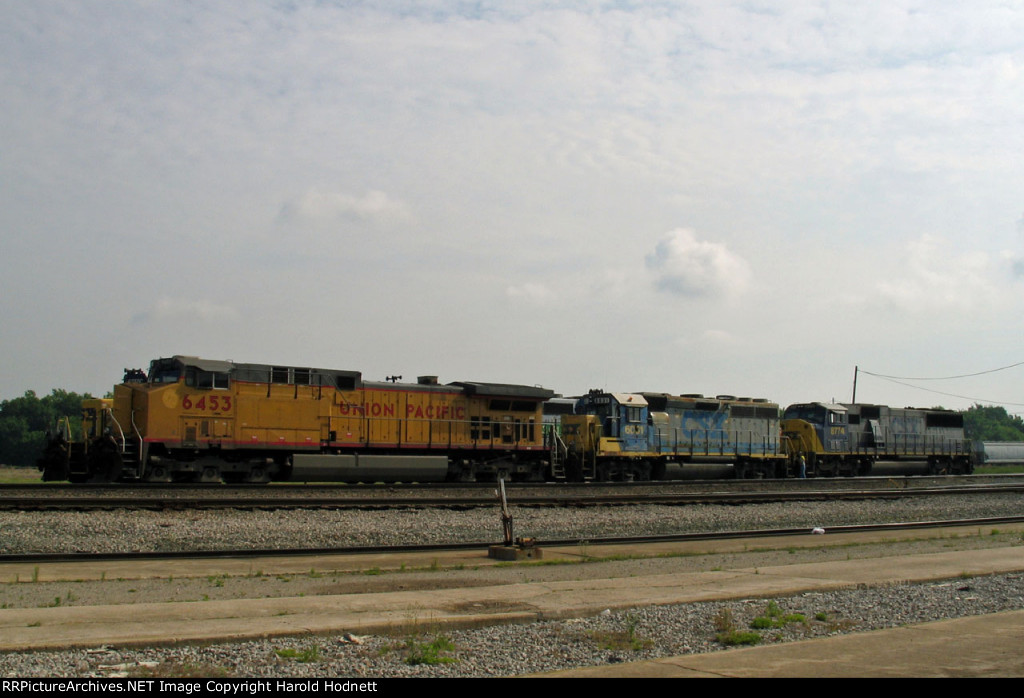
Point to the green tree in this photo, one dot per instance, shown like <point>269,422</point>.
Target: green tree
<point>992,423</point>
<point>24,422</point>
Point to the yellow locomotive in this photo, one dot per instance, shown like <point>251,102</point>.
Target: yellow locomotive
<point>192,419</point>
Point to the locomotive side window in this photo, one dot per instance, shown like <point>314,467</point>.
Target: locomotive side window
<point>279,374</point>
<point>212,379</point>
<point>206,380</point>
<point>301,376</point>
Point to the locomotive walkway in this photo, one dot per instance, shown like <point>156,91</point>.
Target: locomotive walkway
<point>976,646</point>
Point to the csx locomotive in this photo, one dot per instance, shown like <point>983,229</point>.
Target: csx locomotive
<point>195,420</point>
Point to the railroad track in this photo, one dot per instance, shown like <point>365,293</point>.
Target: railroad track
<point>481,545</point>
<point>484,497</point>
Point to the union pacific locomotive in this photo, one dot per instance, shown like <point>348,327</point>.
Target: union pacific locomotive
<point>195,420</point>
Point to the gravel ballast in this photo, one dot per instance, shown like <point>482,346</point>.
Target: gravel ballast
<point>611,637</point>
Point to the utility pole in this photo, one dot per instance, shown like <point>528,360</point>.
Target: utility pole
<point>855,369</point>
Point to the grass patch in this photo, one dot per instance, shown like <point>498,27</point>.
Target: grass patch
<point>998,469</point>
<point>12,475</point>
<point>310,654</point>
<point>429,653</point>
<point>729,635</point>
<point>774,617</point>
<point>622,640</point>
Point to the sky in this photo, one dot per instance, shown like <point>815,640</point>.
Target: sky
<point>730,197</point>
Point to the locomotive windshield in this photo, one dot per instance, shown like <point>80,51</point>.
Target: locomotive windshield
<point>815,414</point>
<point>164,371</point>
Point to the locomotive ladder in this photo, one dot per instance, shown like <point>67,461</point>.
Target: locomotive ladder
<point>130,457</point>
<point>558,454</point>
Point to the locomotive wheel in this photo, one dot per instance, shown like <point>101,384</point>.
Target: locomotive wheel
<point>257,475</point>
<point>210,474</point>
<point>158,473</point>
<point>827,468</point>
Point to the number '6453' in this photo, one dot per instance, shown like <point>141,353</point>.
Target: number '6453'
<point>213,403</point>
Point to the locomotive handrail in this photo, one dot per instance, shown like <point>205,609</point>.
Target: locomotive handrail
<point>113,419</point>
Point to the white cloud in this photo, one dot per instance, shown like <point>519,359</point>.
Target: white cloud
<point>708,338</point>
<point>320,206</point>
<point>530,292</point>
<point>203,310</point>
<point>933,275</point>
<point>267,162</point>
<point>685,266</point>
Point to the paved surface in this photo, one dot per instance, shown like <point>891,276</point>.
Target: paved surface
<point>981,646</point>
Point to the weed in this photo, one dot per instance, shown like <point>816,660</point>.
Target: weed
<point>622,639</point>
<point>723,621</point>
<point>727,633</point>
<point>430,652</point>
<point>35,573</point>
<point>737,637</point>
<point>821,616</point>
<point>774,617</point>
<point>310,654</point>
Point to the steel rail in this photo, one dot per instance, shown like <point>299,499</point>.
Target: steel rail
<point>482,545</point>
<point>80,503</point>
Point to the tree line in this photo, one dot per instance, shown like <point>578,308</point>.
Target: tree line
<point>25,421</point>
<point>992,424</point>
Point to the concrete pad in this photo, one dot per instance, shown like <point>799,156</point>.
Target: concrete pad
<point>149,623</point>
<point>980,646</point>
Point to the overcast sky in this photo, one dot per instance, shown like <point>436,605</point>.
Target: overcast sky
<point>738,197</point>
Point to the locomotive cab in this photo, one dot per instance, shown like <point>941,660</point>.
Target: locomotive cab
<point>607,438</point>
<point>623,420</point>
<point>828,422</point>
<point>820,432</point>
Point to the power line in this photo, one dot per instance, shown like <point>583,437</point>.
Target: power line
<point>943,378</point>
<point>938,392</point>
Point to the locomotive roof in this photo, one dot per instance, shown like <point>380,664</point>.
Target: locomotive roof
<point>505,390</point>
<point>255,371</point>
<point>205,364</point>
